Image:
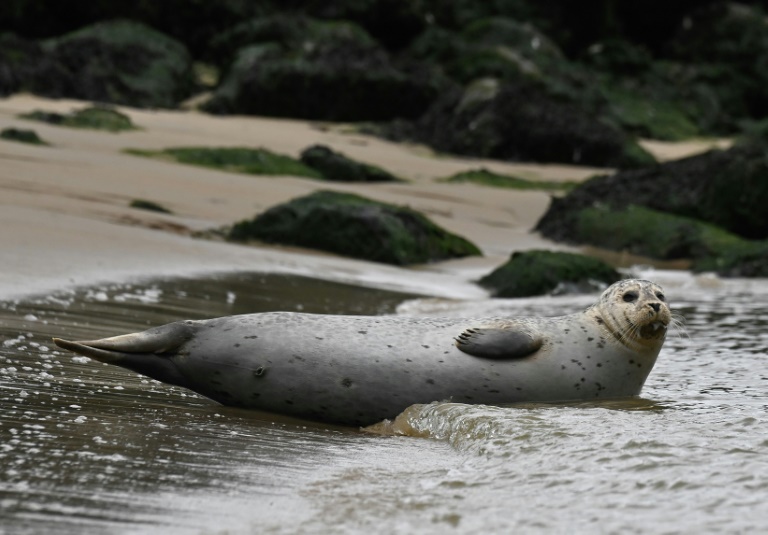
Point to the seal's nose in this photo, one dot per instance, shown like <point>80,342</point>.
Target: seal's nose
<point>655,306</point>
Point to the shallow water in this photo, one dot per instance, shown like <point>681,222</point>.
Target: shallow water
<point>88,448</point>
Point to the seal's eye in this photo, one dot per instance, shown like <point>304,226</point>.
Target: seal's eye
<point>630,297</point>
<point>660,296</point>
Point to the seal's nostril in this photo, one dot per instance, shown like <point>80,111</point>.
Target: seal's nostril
<point>655,306</point>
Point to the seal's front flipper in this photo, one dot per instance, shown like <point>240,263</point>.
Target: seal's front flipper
<point>149,353</point>
<point>498,342</point>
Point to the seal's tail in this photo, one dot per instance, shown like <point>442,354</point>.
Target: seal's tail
<point>149,353</point>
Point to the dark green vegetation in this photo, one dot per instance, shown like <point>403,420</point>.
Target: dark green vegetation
<point>152,206</point>
<point>334,166</point>
<point>21,135</point>
<point>709,208</point>
<point>351,225</point>
<point>316,162</point>
<point>514,79</point>
<point>234,159</point>
<point>542,272</point>
<point>489,178</point>
<point>93,117</point>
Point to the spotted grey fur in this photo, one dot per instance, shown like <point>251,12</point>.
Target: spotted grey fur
<point>358,370</point>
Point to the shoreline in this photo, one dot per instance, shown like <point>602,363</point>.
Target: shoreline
<point>65,220</point>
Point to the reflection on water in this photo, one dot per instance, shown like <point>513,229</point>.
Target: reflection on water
<point>88,448</point>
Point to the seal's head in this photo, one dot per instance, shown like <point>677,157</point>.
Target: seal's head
<point>635,312</point>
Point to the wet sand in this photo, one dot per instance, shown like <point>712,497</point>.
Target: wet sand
<point>65,219</point>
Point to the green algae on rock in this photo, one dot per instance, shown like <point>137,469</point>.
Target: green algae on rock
<point>93,117</point>
<point>337,167</point>
<point>665,236</point>
<point>235,159</point>
<point>355,226</point>
<point>21,135</point>
<point>489,178</point>
<point>540,272</point>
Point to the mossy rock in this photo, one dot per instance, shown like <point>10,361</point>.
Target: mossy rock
<point>489,178</point>
<point>394,23</point>
<point>663,236</point>
<point>233,159</point>
<point>143,204</point>
<point>541,272</point>
<point>652,118</point>
<point>491,47</point>
<point>285,31</point>
<point>93,117</point>
<point>21,135</point>
<point>724,50</point>
<point>619,56</point>
<point>726,188</point>
<point>20,59</point>
<point>545,129</point>
<point>331,73</point>
<point>742,259</point>
<point>355,226</point>
<point>119,62</point>
<point>519,48</point>
<point>646,232</point>
<point>334,166</point>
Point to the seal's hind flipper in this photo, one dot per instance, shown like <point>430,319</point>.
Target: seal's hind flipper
<point>498,343</point>
<point>151,353</point>
<point>157,341</point>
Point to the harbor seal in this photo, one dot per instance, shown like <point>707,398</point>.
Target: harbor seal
<point>358,370</point>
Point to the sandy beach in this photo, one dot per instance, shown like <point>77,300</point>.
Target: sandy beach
<point>65,219</point>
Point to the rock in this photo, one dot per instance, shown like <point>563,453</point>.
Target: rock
<point>744,259</point>
<point>708,208</point>
<point>335,166</point>
<point>93,117</point>
<point>646,232</point>
<point>286,32</point>
<point>722,48</point>
<point>332,74</point>
<point>191,22</point>
<point>21,135</point>
<point>143,204</point>
<point>19,60</point>
<point>119,62</point>
<point>541,272</point>
<point>351,225</point>
<point>247,160</point>
<point>394,23</point>
<point>522,123</point>
<point>645,113</point>
<point>723,188</point>
<point>493,47</point>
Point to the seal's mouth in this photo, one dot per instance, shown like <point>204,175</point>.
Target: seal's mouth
<point>655,329</point>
